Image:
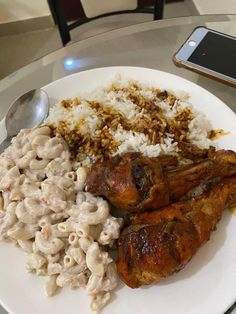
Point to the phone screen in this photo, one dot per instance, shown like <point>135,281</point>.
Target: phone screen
<point>217,53</point>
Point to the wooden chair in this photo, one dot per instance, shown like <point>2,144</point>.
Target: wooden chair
<point>64,27</point>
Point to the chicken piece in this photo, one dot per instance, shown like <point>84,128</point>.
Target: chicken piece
<point>158,244</point>
<point>193,152</point>
<point>166,161</point>
<point>129,181</point>
<point>221,163</point>
<point>136,183</point>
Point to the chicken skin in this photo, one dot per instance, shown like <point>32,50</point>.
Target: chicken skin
<point>136,183</point>
<point>157,244</point>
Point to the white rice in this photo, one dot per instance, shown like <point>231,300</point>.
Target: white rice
<point>199,126</point>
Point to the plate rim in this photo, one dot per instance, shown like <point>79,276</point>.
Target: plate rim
<point>137,68</point>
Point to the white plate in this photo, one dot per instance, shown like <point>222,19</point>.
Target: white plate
<point>206,285</point>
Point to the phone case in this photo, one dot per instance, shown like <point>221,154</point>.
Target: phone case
<point>198,70</point>
<point>201,71</point>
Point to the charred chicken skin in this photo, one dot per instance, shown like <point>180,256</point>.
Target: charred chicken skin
<point>158,244</point>
<point>136,183</point>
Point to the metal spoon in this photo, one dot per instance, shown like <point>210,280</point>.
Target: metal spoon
<point>26,111</point>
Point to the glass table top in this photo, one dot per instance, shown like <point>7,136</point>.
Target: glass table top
<point>149,45</point>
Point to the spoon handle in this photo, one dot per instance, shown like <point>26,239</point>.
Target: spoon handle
<point>5,144</point>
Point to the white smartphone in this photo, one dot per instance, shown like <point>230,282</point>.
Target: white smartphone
<point>210,53</point>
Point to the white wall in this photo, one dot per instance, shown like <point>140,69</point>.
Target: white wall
<point>15,10</point>
<point>215,6</point>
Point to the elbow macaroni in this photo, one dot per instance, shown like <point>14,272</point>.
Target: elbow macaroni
<point>44,209</point>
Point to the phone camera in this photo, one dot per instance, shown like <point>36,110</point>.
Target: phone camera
<point>192,43</point>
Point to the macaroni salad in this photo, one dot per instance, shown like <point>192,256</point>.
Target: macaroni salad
<point>45,211</point>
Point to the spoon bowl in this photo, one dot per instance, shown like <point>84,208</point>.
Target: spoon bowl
<point>26,111</point>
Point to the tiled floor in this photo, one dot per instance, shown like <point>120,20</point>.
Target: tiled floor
<point>21,49</point>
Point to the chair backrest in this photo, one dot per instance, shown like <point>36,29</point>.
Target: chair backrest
<point>94,11</point>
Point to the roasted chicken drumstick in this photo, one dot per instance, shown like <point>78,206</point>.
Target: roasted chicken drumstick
<point>160,243</point>
<point>136,183</point>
